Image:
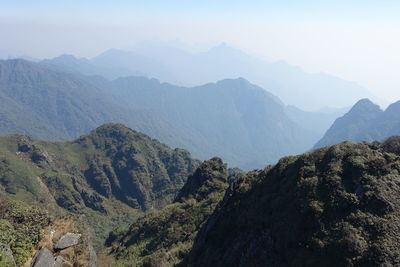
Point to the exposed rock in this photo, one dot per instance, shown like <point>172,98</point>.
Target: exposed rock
<point>24,148</point>
<point>59,261</point>
<point>92,256</point>
<point>41,156</point>
<point>66,241</point>
<point>43,258</point>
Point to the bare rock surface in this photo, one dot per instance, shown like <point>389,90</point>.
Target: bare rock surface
<point>67,240</point>
<point>43,258</point>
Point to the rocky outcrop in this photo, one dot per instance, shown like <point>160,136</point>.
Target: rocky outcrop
<point>58,261</point>
<point>43,258</point>
<point>67,240</point>
<point>92,256</point>
<point>46,258</point>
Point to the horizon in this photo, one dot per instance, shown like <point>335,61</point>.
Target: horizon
<point>356,41</point>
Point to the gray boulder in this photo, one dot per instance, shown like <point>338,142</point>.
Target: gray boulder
<point>67,240</point>
<point>58,261</point>
<point>43,258</point>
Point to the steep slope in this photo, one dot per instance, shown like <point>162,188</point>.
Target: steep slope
<point>240,122</point>
<point>164,237</point>
<point>51,105</point>
<point>337,206</point>
<point>364,122</point>
<point>232,119</point>
<point>21,227</point>
<point>108,176</point>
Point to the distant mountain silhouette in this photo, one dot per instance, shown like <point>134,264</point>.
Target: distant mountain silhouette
<point>233,119</point>
<point>241,122</point>
<point>294,86</point>
<point>364,122</point>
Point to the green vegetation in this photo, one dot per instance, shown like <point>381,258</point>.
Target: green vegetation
<point>337,206</point>
<point>233,119</point>
<point>107,177</point>
<point>21,228</point>
<point>164,237</point>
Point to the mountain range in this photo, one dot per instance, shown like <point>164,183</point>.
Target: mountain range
<point>308,91</point>
<point>365,121</point>
<point>336,206</point>
<point>232,118</point>
<point>154,205</point>
<point>87,153</point>
<point>109,175</point>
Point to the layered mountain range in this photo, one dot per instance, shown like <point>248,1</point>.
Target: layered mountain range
<point>233,119</point>
<point>334,206</point>
<point>70,167</point>
<point>365,121</point>
<point>309,91</point>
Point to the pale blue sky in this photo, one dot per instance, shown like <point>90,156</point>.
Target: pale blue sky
<point>356,40</point>
<point>298,8</point>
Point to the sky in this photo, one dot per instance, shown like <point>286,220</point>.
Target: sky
<point>355,40</point>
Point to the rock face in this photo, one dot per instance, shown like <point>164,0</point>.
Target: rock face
<point>44,258</point>
<point>68,240</point>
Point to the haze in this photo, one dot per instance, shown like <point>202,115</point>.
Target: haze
<point>354,40</point>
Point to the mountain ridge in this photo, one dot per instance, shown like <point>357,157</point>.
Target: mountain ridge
<point>364,122</point>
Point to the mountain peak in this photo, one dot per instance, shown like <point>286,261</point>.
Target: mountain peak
<point>66,57</point>
<point>210,175</point>
<point>224,48</point>
<point>393,111</point>
<point>365,105</point>
<point>112,130</point>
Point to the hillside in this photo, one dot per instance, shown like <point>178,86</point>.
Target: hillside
<point>51,105</point>
<point>108,176</point>
<point>364,122</point>
<point>337,206</point>
<point>164,237</point>
<point>232,119</point>
<point>238,121</point>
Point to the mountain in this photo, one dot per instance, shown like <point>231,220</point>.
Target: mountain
<point>232,119</point>
<point>337,206</point>
<point>52,105</point>
<point>364,122</point>
<point>164,237</point>
<point>308,91</point>
<point>108,176</point>
<point>132,62</point>
<point>71,64</point>
<point>239,121</point>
